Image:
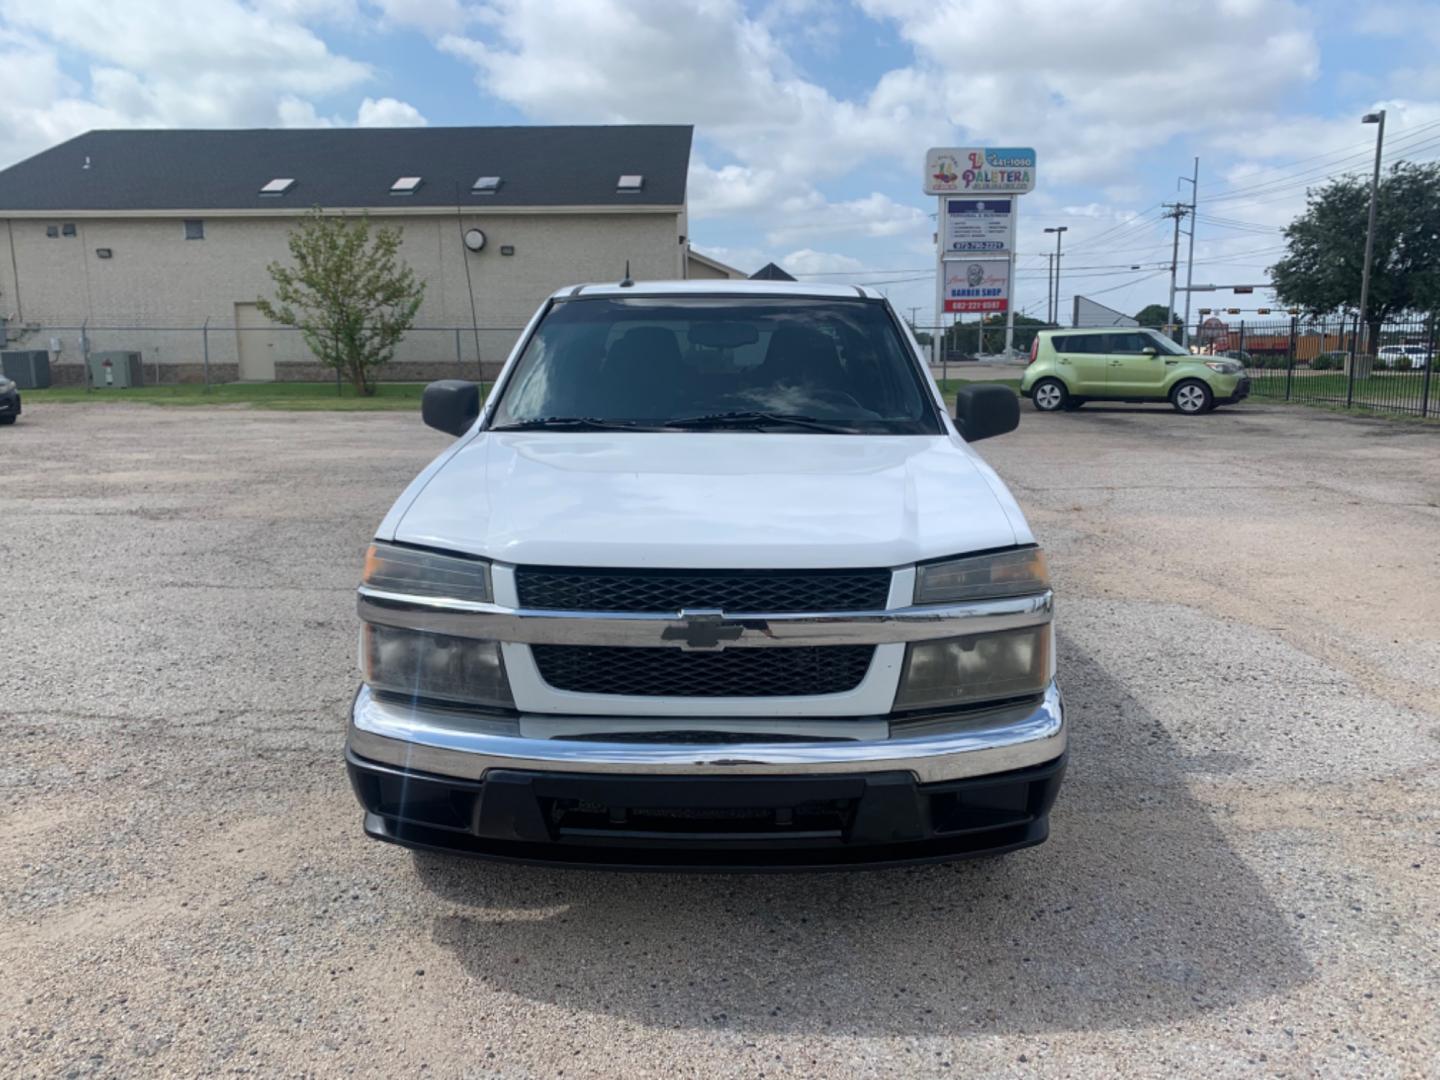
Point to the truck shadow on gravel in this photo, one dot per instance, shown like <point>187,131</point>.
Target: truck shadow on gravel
<point>1136,913</point>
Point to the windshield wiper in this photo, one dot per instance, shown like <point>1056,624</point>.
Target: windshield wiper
<point>757,419</point>
<point>573,423</point>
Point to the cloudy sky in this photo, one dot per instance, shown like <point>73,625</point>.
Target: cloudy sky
<point>812,116</point>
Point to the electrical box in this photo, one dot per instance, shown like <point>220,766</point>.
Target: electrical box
<point>114,370</point>
<point>30,368</point>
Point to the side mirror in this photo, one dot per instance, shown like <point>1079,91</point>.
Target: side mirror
<point>1149,350</point>
<point>983,411</point>
<point>451,405</point>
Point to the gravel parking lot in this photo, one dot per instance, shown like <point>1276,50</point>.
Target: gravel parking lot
<point>1242,877</point>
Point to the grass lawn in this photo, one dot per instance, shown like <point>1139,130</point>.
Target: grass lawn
<point>298,397</point>
<point>1400,388</point>
<point>949,386</point>
<point>294,397</point>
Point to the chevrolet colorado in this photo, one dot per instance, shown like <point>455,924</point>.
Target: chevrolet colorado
<point>710,580</point>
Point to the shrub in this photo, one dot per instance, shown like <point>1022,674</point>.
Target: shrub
<point>1400,363</point>
<point>1378,363</point>
<point>1323,362</point>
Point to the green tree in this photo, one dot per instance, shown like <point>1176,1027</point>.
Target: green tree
<point>1322,268</point>
<point>348,293</point>
<point>1025,328</point>
<point>1155,315</point>
<point>965,337</point>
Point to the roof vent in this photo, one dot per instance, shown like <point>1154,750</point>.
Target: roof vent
<point>630,182</point>
<point>485,185</point>
<point>406,185</point>
<point>279,186</point>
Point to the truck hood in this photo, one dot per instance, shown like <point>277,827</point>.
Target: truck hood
<point>733,500</point>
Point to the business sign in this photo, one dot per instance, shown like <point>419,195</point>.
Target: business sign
<point>973,285</point>
<point>979,226</point>
<point>979,171</point>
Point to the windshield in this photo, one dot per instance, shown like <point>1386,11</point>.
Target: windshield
<point>677,363</point>
<point>1165,345</point>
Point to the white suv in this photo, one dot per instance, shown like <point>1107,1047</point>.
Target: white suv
<point>1416,356</point>
<point>710,580</point>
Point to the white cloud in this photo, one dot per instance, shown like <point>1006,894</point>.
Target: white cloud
<point>292,112</point>
<point>776,145</point>
<point>387,112</point>
<point>202,63</point>
<point>806,261</point>
<point>875,215</point>
<point>431,16</point>
<point>1097,83</point>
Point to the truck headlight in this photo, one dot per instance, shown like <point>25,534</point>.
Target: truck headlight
<point>1021,572</point>
<point>981,667</point>
<point>420,664</point>
<point>416,572</point>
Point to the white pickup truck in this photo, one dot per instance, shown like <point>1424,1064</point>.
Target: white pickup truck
<point>710,580</point>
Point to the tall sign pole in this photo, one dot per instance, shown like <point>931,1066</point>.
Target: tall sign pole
<point>1010,307</point>
<point>938,341</point>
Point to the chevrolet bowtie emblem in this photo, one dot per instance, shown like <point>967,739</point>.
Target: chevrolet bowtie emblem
<point>702,631</point>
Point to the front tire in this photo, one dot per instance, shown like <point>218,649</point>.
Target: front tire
<point>1049,395</point>
<point>7,419</point>
<point>1192,397</point>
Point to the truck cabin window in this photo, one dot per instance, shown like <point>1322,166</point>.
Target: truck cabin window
<point>672,363</point>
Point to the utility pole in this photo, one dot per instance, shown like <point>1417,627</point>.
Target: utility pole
<point>1176,211</point>
<point>1058,230</point>
<point>1190,258</point>
<point>1371,118</point>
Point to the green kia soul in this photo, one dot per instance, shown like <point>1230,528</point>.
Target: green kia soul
<point>1070,367</point>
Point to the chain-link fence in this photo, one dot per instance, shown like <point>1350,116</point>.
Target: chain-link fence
<point>218,353</point>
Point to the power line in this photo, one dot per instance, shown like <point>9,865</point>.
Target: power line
<point>1283,186</point>
<point>1360,150</point>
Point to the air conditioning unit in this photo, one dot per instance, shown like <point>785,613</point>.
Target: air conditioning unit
<point>30,368</point>
<point>114,370</point>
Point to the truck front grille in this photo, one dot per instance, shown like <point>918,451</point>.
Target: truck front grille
<point>769,591</point>
<point>767,672</point>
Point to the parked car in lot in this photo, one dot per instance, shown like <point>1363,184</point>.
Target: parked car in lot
<point>1404,357</point>
<point>710,579</point>
<point>1070,367</point>
<point>9,401</point>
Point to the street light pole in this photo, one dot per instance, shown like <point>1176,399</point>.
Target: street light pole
<point>1371,118</point>
<point>1050,287</point>
<point>1055,307</point>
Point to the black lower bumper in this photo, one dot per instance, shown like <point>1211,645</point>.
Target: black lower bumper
<point>10,404</point>
<point>707,822</point>
<point>1242,391</point>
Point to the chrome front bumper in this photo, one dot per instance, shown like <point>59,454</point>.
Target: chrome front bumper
<point>466,745</point>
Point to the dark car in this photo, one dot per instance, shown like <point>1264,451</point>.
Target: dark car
<point>9,401</point>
